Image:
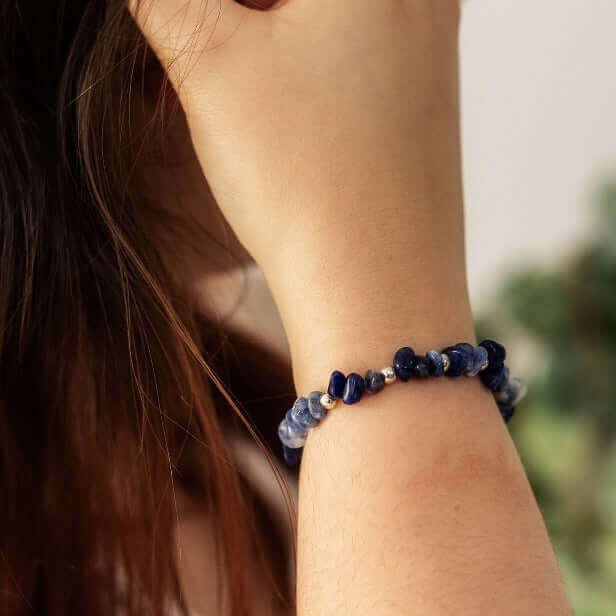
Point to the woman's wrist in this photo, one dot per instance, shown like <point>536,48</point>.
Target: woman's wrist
<point>355,342</point>
<point>348,297</point>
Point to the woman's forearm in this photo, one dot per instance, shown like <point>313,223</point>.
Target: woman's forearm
<point>415,501</point>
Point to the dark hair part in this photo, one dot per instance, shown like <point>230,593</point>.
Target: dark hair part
<point>103,382</point>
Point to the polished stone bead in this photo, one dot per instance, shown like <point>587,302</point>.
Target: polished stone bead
<point>465,346</point>
<point>521,387</point>
<point>505,397</point>
<point>479,359</point>
<point>495,378</point>
<point>336,384</point>
<point>317,410</point>
<point>512,393</point>
<point>292,456</point>
<point>506,412</point>
<point>403,363</point>
<point>289,437</point>
<point>294,427</point>
<point>467,349</point>
<point>301,413</point>
<point>353,388</point>
<point>421,368</point>
<point>458,360</point>
<point>496,352</point>
<point>374,381</point>
<point>435,363</point>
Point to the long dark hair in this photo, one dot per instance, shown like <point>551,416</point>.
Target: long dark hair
<point>103,377</point>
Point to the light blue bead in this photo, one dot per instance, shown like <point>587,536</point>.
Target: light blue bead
<point>522,389</point>
<point>435,363</point>
<point>479,359</point>
<point>317,410</point>
<point>301,413</point>
<point>288,437</point>
<point>295,428</point>
<point>512,393</point>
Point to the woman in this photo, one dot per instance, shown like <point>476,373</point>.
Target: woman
<point>328,134</point>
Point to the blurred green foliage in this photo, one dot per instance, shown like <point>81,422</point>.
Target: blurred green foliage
<point>562,322</point>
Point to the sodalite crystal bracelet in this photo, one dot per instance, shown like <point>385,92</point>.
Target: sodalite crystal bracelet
<point>486,360</point>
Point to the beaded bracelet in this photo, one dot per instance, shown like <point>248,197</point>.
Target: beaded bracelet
<point>486,360</point>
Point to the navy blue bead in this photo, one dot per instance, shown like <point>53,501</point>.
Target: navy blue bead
<point>480,361</point>
<point>506,412</point>
<point>292,456</point>
<point>317,410</point>
<point>495,378</point>
<point>353,388</point>
<point>435,363</point>
<point>403,363</point>
<point>458,361</point>
<point>496,352</point>
<point>374,381</point>
<point>336,384</point>
<point>504,379</point>
<point>465,346</point>
<point>467,349</point>
<point>421,367</point>
<point>301,413</point>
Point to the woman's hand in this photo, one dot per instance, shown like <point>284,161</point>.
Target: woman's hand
<point>328,130</point>
<point>314,106</point>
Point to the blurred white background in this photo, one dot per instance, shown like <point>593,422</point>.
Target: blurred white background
<point>538,96</point>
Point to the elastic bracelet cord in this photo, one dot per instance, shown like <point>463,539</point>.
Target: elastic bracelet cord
<point>486,360</point>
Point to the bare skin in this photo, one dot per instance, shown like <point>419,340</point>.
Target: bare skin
<point>328,130</point>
